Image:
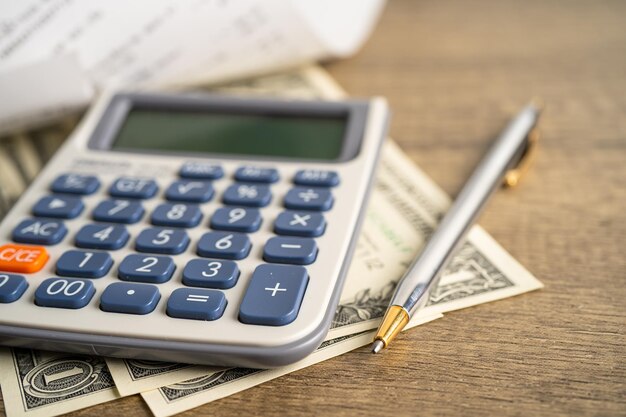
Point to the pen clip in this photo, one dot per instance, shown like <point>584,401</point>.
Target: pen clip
<point>513,175</point>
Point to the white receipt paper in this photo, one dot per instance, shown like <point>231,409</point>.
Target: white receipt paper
<point>83,46</point>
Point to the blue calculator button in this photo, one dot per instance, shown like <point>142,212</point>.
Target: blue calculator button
<point>146,268</point>
<point>236,219</point>
<point>302,198</point>
<point>123,297</point>
<point>101,236</point>
<point>300,223</point>
<point>11,287</point>
<point>158,240</point>
<point>39,231</point>
<point>64,293</point>
<point>190,303</point>
<point>256,174</point>
<point>176,215</point>
<point>274,295</point>
<point>249,195</point>
<point>201,171</point>
<point>82,264</point>
<point>210,273</point>
<point>224,245</point>
<point>290,250</point>
<point>316,178</point>
<point>61,207</point>
<point>75,184</point>
<point>189,191</point>
<point>118,211</point>
<point>133,188</point>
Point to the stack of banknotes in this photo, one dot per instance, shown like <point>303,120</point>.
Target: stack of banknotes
<point>403,212</point>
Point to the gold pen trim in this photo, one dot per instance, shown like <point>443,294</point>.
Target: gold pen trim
<point>513,176</point>
<point>394,321</point>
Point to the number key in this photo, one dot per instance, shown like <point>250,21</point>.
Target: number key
<point>142,268</point>
<point>237,219</point>
<point>118,211</point>
<point>77,263</point>
<point>224,245</point>
<point>176,215</point>
<point>210,273</point>
<point>158,240</point>
<point>101,236</point>
<point>64,293</point>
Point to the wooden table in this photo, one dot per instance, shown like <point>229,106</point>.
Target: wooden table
<point>454,73</point>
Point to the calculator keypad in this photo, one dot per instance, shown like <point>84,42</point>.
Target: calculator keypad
<point>224,245</point>
<point>176,215</point>
<point>61,207</point>
<point>133,188</point>
<point>124,297</point>
<point>190,191</point>
<point>201,171</point>
<point>75,184</point>
<point>39,232</point>
<point>211,273</point>
<point>290,250</point>
<point>274,291</point>
<point>300,223</point>
<point>236,219</point>
<point>303,198</point>
<point>256,174</point>
<point>118,211</point>
<point>316,178</point>
<point>159,240</point>
<point>11,287</point>
<point>22,258</point>
<point>196,304</point>
<point>146,268</point>
<point>249,195</point>
<point>64,293</point>
<point>82,264</point>
<point>101,236</point>
<point>274,295</point>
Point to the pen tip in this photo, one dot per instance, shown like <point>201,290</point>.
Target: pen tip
<point>377,346</point>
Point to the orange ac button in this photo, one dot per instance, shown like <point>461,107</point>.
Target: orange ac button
<point>22,258</point>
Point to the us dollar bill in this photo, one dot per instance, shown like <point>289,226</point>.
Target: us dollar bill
<point>39,383</point>
<point>133,376</point>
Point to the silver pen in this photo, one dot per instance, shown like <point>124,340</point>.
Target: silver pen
<point>505,162</point>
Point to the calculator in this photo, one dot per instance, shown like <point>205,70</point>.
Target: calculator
<point>192,228</point>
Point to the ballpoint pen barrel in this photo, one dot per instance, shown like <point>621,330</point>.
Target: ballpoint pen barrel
<point>428,267</point>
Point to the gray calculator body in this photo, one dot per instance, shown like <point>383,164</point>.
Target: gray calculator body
<point>91,151</point>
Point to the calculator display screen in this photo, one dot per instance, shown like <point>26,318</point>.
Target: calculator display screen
<point>286,136</point>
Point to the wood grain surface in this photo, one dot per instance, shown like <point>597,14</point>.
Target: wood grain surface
<point>454,73</point>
